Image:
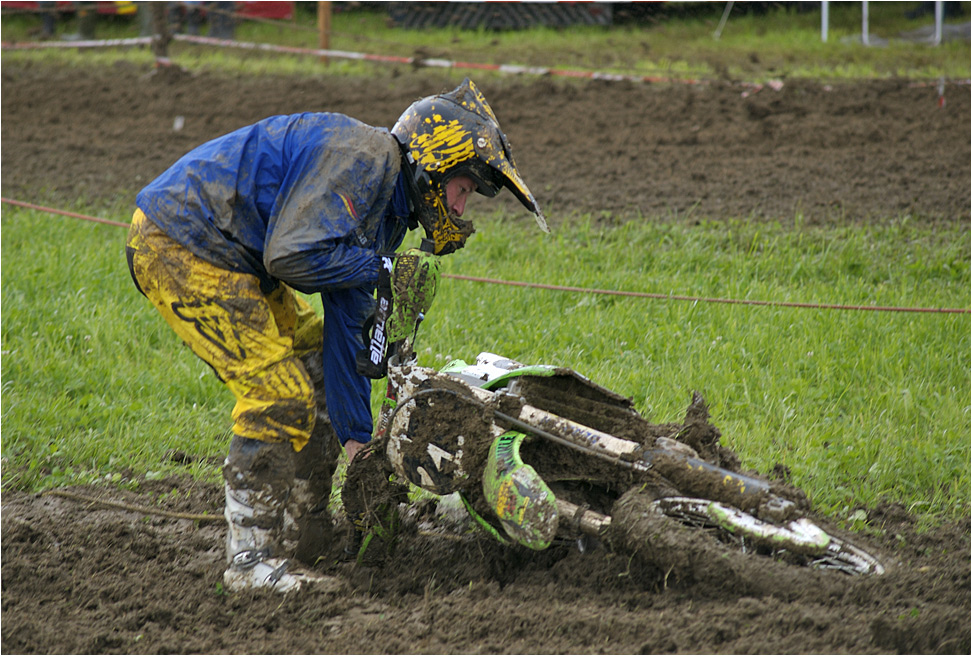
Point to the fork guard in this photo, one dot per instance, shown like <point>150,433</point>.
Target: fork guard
<point>524,504</point>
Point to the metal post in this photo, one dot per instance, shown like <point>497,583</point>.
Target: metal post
<point>160,32</point>
<point>824,20</point>
<point>865,36</point>
<point>939,16</point>
<point>722,23</point>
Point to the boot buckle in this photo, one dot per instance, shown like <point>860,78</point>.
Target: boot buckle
<point>250,557</point>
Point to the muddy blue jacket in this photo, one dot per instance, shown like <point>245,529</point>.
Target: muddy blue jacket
<point>309,200</point>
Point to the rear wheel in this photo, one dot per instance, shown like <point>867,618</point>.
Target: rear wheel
<point>799,542</point>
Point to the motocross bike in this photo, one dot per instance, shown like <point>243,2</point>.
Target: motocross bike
<point>540,453</point>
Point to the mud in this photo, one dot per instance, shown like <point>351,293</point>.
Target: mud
<point>367,490</point>
<point>854,151</point>
<point>82,578</point>
<point>589,404</point>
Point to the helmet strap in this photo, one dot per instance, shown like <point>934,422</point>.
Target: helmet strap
<point>411,187</point>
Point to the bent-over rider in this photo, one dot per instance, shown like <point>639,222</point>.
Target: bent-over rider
<point>220,242</point>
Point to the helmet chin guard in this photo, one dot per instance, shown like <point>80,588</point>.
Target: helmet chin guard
<point>456,134</point>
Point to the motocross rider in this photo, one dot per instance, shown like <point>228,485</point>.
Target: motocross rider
<point>220,242</point>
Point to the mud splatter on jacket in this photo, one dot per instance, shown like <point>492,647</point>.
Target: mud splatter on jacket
<point>307,199</point>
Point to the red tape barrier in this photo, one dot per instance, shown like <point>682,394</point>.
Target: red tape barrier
<point>431,63</point>
<point>581,290</point>
<point>345,54</point>
<point>393,59</point>
<point>100,43</point>
<point>51,210</point>
<point>702,299</point>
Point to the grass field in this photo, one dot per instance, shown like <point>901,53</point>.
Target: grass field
<point>863,407</point>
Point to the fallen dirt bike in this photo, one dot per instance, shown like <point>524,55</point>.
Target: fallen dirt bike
<point>540,454</point>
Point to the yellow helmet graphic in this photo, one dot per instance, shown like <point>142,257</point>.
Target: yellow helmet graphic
<point>456,134</point>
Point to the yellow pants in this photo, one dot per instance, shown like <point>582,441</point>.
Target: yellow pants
<point>253,341</point>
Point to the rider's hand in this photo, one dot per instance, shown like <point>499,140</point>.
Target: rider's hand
<point>352,447</point>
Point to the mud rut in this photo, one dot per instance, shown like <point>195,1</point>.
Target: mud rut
<point>79,578</point>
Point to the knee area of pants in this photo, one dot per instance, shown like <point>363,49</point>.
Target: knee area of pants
<point>245,448</point>
<point>250,459</point>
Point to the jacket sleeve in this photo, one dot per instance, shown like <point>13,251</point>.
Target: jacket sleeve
<point>328,266</point>
<point>348,392</point>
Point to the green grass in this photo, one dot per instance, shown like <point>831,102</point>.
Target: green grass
<point>782,43</point>
<point>92,383</point>
<point>863,407</point>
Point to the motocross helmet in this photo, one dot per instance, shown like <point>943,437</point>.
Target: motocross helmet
<point>456,134</point>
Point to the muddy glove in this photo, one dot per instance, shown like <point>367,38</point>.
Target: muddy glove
<point>406,288</point>
<point>414,279</point>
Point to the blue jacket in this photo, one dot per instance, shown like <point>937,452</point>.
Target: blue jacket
<point>307,199</point>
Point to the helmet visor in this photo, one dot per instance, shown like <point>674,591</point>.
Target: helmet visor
<point>488,181</point>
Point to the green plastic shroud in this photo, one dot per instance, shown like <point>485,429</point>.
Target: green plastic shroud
<point>525,506</point>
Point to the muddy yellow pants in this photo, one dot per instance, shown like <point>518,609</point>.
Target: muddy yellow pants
<point>253,341</point>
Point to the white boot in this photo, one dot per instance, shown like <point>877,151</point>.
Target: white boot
<point>250,548</point>
<point>279,574</point>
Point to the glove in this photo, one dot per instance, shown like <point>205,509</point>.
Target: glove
<point>406,288</point>
<point>414,280</point>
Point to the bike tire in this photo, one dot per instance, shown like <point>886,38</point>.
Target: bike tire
<point>837,555</point>
<point>797,542</point>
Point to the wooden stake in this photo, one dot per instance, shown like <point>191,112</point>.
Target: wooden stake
<point>324,27</point>
<point>160,29</point>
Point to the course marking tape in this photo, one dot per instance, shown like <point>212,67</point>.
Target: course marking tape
<point>74,215</point>
<point>510,69</point>
<point>702,299</point>
<point>91,43</point>
<point>430,63</point>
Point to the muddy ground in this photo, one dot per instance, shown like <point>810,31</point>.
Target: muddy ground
<point>863,151</point>
<point>79,578</point>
